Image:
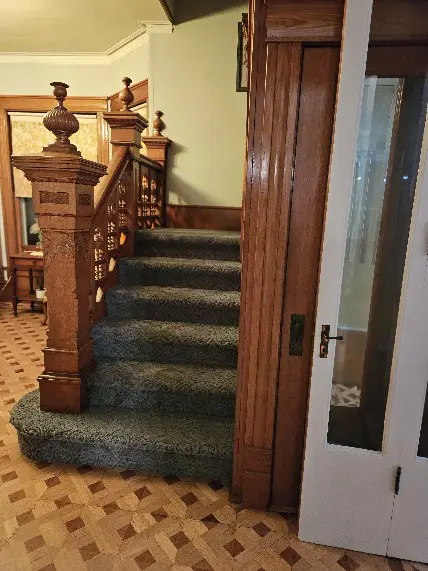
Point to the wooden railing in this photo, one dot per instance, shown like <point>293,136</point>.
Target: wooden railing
<point>129,198</point>
<point>87,226</point>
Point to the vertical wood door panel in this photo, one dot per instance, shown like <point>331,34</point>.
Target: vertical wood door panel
<point>254,145</point>
<point>266,215</point>
<point>316,116</point>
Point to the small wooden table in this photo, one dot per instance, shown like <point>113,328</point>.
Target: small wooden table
<point>24,269</point>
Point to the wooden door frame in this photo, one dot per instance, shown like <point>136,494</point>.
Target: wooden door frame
<point>280,29</point>
<point>35,104</point>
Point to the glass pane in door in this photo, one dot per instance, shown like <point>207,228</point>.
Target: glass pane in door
<point>386,168</point>
<point>423,436</point>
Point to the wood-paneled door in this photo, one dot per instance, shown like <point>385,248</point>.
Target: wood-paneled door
<point>320,67</point>
<point>366,471</point>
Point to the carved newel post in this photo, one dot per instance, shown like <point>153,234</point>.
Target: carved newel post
<point>157,146</point>
<point>125,126</point>
<point>63,199</point>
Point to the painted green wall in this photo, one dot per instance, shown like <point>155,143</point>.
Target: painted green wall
<point>84,80</point>
<point>192,80</point>
<point>193,74</point>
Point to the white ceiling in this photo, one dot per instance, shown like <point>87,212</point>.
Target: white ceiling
<point>73,26</point>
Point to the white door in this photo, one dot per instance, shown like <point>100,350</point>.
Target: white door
<point>368,387</point>
<point>409,418</point>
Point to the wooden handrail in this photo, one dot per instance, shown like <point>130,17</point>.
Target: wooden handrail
<point>143,160</point>
<point>110,180</point>
<point>87,226</point>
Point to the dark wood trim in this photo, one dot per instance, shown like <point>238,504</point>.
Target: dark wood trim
<point>204,217</point>
<point>6,181</point>
<point>257,60</point>
<point>397,61</point>
<point>304,20</point>
<point>140,91</point>
<point>167,11</point>
<point>103,140</point>
<point>30,103</point>
<point>275,82</point>
<point>42,103</point>
<point>315,126</point>
<point>393,21</point>
<point>399,22</point>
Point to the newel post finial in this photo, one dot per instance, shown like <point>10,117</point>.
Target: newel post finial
<point>61,123</point>
<point>158,124</point>
<point>126,95</point>
<point>157,145</point>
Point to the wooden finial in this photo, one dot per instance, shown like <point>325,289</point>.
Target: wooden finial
<point>158,124</point>
<point>61,123</point>
<point>126,95</point>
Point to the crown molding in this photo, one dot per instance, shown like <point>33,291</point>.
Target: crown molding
<point>127,45</point>
<point>132,42</point>
<point>157,27</point>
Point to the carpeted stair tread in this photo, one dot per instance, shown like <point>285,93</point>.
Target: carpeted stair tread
<point>173,304</point>
<point>149,441</point>
<point>174,388</point>
<point>166,341</point>
<point>181,272</point>
<point>146,430</point>
<point>208,244</point>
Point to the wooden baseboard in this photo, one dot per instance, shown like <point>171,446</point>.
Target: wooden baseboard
<point>204,217</point>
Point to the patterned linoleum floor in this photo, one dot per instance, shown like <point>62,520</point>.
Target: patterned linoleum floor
<point>65,518</point>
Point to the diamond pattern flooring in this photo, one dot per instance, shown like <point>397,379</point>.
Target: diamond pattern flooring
<point>66,518</point>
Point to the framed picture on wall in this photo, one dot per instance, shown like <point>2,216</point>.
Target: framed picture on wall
<point>242,69</point>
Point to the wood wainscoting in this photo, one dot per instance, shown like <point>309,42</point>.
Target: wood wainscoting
<point>203,217</point>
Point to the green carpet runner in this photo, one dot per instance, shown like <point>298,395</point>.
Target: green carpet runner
<point>162,398</point>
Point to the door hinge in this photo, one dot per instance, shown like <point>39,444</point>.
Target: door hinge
<point>397,480</point>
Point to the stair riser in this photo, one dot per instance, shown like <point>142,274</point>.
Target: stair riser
<point>120,308</point>
<point>181,245</point>
<point>229,253</point>
<point>203,278</point>
<point>138,350</point>
<point>165,402</point>
<point>68,452</point>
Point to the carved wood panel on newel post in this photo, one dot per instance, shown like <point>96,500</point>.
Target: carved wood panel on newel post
<point>63,197</point>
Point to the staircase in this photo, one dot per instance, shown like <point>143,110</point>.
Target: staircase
<point>162,397</point>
